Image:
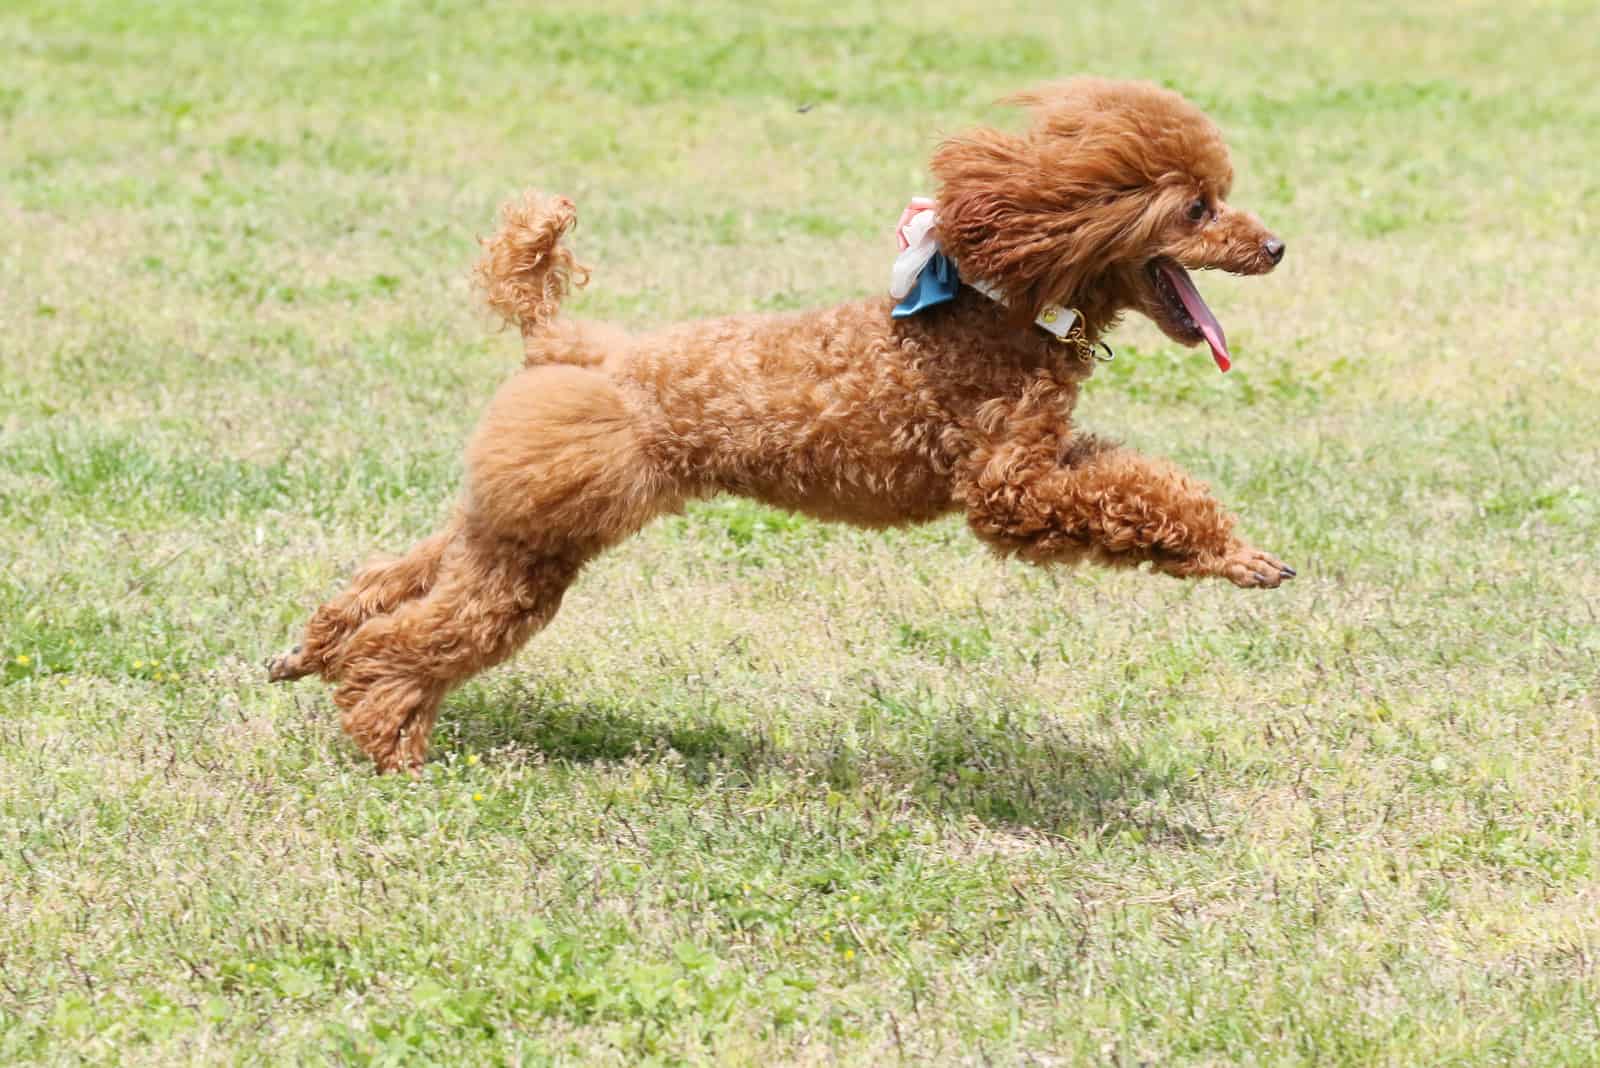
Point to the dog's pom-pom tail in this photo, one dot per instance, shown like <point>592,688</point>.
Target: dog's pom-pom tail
<point>525,270</point>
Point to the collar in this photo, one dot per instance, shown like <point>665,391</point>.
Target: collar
<point>1054,319</point>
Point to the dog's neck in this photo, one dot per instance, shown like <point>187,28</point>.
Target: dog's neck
<point>1022,343</point>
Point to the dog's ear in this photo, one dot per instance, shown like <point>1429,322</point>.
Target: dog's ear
<point>983,180</point>
<point>987,196</point>
<point>1030,219</point>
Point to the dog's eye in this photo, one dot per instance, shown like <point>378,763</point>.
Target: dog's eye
<point>1197,211</point>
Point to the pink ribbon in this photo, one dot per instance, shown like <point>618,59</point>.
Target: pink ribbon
<point>917,206</point>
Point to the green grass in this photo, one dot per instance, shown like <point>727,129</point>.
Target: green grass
<point>769,791</point>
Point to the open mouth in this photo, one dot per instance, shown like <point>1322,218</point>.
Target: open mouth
<point>1185,309</point>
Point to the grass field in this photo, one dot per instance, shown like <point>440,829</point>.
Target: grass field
<point>767,790</point>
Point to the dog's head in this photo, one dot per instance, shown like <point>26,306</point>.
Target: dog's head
<point>1111,197</point>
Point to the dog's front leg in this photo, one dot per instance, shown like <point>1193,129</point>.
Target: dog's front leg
<point>1082,498</point>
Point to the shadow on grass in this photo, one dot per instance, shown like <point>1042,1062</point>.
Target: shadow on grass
<point>949,761</point>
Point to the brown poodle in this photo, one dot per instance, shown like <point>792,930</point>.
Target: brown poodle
<point>858,413</point>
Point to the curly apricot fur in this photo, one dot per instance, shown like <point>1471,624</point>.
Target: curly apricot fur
<point>841,413</point>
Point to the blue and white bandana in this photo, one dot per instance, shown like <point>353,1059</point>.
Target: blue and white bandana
<point>923,276</point>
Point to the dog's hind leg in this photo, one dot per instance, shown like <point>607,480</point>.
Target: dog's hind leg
<point>489,599</point>
<point>557,472</point>
<point>377,589</point>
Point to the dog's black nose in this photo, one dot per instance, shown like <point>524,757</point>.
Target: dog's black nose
<point>1274,249</point>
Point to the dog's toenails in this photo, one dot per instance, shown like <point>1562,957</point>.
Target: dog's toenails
<point>286,667</point>
<point>1254,569</point>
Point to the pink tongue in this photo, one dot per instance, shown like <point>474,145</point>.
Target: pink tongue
<point>1199,312</point>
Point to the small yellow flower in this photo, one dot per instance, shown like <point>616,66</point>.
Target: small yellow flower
<point>477,797</point>
<point>250,967</point>
<point>472,758</point>
<point>849,954</point>
<point>24,659</point>
<point>137,664</point>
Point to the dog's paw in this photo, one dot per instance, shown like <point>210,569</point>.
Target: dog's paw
<point>1253,569</point>
<point>286,667</point>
